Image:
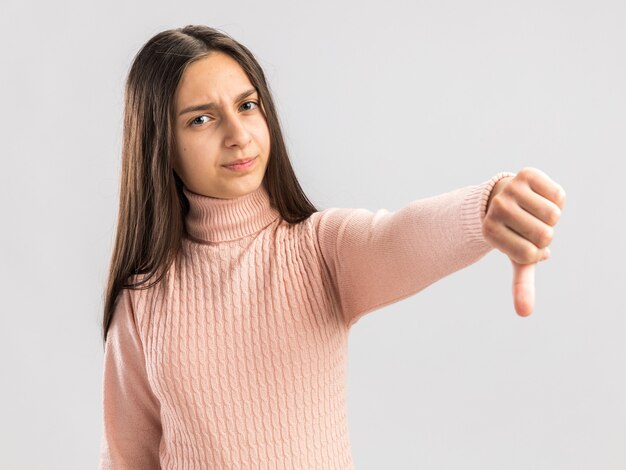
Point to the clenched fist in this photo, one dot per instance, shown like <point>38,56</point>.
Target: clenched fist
<point>521,214</point>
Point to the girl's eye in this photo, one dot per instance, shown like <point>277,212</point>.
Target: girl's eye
<point>253,102</point>
<point>195,121</point>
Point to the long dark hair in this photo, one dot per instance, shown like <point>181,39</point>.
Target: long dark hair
<point>152,205</point>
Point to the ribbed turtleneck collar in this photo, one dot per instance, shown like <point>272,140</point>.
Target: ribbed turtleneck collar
<point>213,219</point>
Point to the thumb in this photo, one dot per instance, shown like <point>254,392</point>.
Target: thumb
<point>523,288</point>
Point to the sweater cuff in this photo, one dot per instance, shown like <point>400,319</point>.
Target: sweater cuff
<point>474,207</point>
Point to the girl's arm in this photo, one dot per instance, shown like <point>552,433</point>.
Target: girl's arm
<point>132,424</point>
<point>377,258</point>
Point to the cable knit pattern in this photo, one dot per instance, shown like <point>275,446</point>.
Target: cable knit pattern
<point>237,358</point>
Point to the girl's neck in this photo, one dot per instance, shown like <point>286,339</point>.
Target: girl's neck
<point>212,220</point>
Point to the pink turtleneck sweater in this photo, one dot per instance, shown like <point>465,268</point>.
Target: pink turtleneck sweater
<point>237,358</point>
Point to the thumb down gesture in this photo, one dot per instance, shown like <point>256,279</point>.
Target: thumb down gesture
<point>522,211</point>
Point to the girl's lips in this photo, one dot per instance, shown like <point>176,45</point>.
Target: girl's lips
<point>242,166</point>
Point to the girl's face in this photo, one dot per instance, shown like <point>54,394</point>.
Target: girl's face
<point>216,121</point>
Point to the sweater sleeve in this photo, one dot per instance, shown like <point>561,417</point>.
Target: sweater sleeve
<point>378,258</point>
<point>132,424</point>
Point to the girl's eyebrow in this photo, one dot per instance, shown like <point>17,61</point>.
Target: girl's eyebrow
<point>209,106</point>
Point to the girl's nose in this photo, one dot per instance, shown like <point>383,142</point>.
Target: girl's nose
<point>237,134</point>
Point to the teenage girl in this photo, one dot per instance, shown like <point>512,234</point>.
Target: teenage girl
<point>230,295</point>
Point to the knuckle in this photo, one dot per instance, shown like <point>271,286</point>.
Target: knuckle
<point>523,173</point>
<point>498,206</point>
<point>545,237</point>
<point>507,190</point>
<point>528,171</point>
<point>554,216</point>
<point>528,255</point>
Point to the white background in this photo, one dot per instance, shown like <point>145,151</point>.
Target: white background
<point>381,103</point>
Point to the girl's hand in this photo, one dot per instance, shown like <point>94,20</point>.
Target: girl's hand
<point>521,213</point>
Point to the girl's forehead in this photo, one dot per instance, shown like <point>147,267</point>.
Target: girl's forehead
<point>214,77</point>
<point>217,69</point>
